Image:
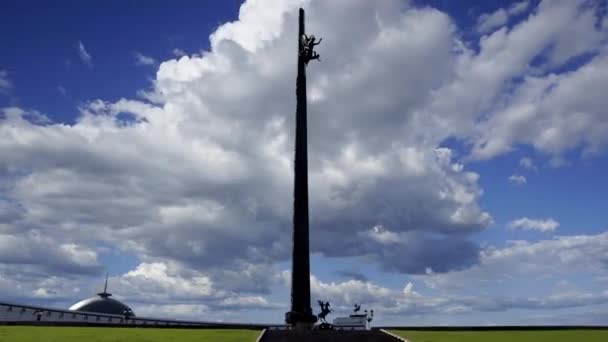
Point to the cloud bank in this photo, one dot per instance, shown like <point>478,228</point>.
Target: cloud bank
<point>195,181</point>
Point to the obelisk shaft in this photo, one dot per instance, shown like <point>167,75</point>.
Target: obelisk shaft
<point>301,311</point>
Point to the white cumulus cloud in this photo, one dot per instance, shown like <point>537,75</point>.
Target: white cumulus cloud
<point>489,21</point>
<point>517,179</point>
<point>5,83</point>
<point>141,59</point>
<point>178,52</point>
<point>527,163</point>
<point>541,225</point>
<point>84,54</point>
<point>197,184</point>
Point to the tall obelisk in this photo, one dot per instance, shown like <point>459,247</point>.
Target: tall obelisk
<point>301,315</point>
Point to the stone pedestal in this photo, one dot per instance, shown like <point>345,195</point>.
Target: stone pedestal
<point>327,336</point>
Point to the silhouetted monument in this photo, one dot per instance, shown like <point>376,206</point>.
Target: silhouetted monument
<point>325,310</point>
<point>301,312</point>
<point>300,318</point>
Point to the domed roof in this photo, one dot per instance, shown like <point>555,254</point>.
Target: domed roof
<point>103,304</point>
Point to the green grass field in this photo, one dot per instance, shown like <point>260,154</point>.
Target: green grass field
<point>504,336</point>
<point>90,334</point>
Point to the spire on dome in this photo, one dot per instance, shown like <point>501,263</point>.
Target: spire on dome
<point>105,293</point>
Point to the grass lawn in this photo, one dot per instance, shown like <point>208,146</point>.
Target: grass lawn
<point>94,334</point>
<point>504,336</point>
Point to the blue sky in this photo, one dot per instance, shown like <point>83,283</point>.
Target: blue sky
<point>44,39</point>
<point>457,154</point>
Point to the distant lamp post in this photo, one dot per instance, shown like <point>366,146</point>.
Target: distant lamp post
<point>38,314</point>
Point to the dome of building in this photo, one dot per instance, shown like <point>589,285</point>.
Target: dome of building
<point>103,304</point>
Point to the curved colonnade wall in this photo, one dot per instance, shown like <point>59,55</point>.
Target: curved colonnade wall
<point>19,313</point>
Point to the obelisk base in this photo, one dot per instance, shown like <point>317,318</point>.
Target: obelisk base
<point>327,336</point>
<point>300,321</point>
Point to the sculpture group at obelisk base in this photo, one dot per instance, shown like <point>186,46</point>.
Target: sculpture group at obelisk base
<point>301,316</point>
